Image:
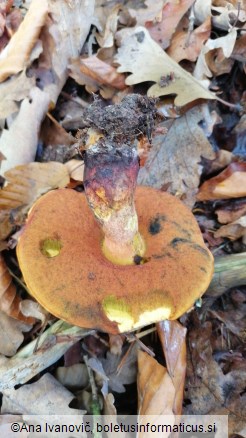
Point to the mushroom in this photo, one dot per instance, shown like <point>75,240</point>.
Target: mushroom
<point>139,260</point>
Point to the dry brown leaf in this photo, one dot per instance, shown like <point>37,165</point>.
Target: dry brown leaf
<point>75,169</point>
<point>156,392</point>
<point>234,230</point>
<point>26,184</point>
<point>106,38</point>
<point>16,55</point>
<point>239,51</point>
<point>224,17</point>
<point>74,376</point>
<point>144,58</point>
<point>150,11</point>
<point>231,183</point>
<point>209,390</point>
<point>172,13</point>
<point>13,91</point>
<point>44,397</point>
<point>202,10</point>
<point>94,73</point>
<point>174,158</point>
<point>32,309</point>
<point>9,301</point>
<point>108,405</point>
<point>19,143</point>
<point>64,35</point>
<point>11,334</point>
<point>173,339</point>
<point>185,46</point>
<point>116,371</point>
<point>224,47</point>
<point>232,211</point>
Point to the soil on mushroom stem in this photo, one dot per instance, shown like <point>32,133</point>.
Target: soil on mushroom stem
<point>134,116</point>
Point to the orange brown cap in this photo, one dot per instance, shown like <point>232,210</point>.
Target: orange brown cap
<point>64,267</point>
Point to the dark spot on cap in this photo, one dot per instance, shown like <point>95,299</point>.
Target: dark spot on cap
<point>140,36</point>
<point>177,240</point>
<point>138,260</point>
<point>91,276</point>
<point>155,225</point>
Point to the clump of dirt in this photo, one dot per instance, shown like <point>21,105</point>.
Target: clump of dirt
<point>134,116</point>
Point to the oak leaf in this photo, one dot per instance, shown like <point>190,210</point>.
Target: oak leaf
<point>144,58</point>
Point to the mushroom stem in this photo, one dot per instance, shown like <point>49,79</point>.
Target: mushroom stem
<point>229,271</point>
<point>110,181</point>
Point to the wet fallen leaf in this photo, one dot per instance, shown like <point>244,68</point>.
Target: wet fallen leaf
<point>174,158</point>
<point>16,55</point>
<point>11,334</point>
<point>185,46</point>
<point>173,339</point>
<point>170,78</point>
<point>25,184</point>
<point>231,183</point>
<point>44,397</point>
<point>172,13</point>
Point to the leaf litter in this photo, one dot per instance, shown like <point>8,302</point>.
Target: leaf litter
<point>202,61</point>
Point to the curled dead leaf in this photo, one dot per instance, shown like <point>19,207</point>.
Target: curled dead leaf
<point>94,73</point>
<point>11,334</point>
<point>156,392</point>
<point>234,230</point>
<point>231,183</point>
<point>9,301</point>
<point>17,53</point>
<point>26,183</point>
<point>173,339</point>
<point>172,12</point>
<point>185,46</point>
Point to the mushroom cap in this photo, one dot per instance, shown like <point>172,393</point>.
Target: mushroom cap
<point>81,286</point>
